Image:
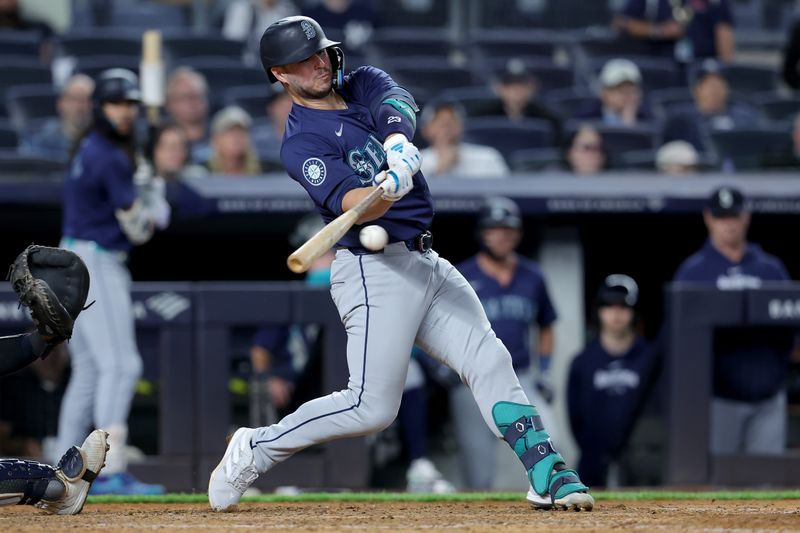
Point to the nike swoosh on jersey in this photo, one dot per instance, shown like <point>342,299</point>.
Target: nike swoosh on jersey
<point>339,131</point>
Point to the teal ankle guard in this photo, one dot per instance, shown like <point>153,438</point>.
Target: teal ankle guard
<point>522,429</point>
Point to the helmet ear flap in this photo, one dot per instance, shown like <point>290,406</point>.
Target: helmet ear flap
<point>336,55</point>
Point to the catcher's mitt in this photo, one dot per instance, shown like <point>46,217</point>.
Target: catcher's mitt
<point>53,283</point>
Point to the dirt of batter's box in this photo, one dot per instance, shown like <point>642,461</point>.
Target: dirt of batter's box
<point>508,517</point>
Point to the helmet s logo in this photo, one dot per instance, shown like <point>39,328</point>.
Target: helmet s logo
<point>308,29</point>
<point>314,171</point>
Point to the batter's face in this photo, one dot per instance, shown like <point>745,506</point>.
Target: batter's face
<point>615,319</point>
<point>308,79</point>
<point>501,242</point>
<point>728,231</point>
<point>122,115</point>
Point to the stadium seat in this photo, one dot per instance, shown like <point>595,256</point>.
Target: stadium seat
<point>507,136</point>
<point>431,74</point>
<point>778,109</point>
<point>657,73</point>
<point>549,76</point>
<point>251,98</point>
<point>430,13</point>
<point>608,46</point>
<point>27,103</point>
<point>750,148</point>
<point>14,165</point>
<point>137,16</point>
<point>222,74</point>
<point>664,102</point>
<point>751,78</point>
<point>99,43</point>
<point>94,65</point>
<point>490,45</point>
<point>411,41</point>
<point>8,136</point>
<point>18,71</point>
<point>476,101</point>
<point>569,102</point>
<point>20,43</point>
<point>535,159</point>
<point>619,140</point>
<point>178,47</point>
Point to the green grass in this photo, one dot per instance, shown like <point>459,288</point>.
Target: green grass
<point>460,497</point>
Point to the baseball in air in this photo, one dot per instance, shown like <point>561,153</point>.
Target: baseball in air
<point>373,238</point>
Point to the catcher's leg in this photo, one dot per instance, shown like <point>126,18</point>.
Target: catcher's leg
<point>61,490</point>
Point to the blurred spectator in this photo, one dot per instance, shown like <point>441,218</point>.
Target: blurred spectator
<point>713,109</point>
<point>268,139</point>
<point>170,154</point>
<point>685,29</point>
<point>12,19</point>
<point>245,21</point>
<point>443,128</point>
<point>620,95</point>
<point>584,154</point>
<point>187,105</point>
<point>791,58</point>
<point>608,381</point>
<point>677,158</point>
<point>748,409</point>
<point>56,136</point>
<point>514,295</point>
<point>517,88</point>
<point>232,152</point>
<point>349,21</point>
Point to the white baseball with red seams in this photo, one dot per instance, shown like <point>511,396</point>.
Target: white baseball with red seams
<point>373,237</point>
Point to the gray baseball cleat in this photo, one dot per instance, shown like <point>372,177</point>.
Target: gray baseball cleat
<point>234,473</point>
<point>77,469</point>
<point>579,501</point>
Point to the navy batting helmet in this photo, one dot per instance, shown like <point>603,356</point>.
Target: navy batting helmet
<point>618,289</point>
<point>500,212</point>
<point>117,85</point>
<point>294,39</point>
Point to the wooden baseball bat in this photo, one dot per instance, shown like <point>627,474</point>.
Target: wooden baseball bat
<point>324,239</point>
<point>151,71</point>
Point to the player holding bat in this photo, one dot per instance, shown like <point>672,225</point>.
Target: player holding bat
<point>106,214</point>
<point>342,132</point>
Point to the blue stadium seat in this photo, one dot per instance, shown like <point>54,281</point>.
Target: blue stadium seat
<point>94,65</point>
<point>222,74</point>
<point>434,75</point>
<point>387,42</point>
<point>664,102</point>
<point>607,46</point>
<point>507,136</point>
<point>251,98</point>
<point>20,43</point>
<point>535,159</point>
<point>489,45</point>
<point>8,136</point>
<point>28,103</point>
<point>751,78</point>
<point>138,16</point>
<point>430,13</point>
<point>549,76</point>
<point>14,165</point>
<point>476,101</point>
<point>18,71</point>
<point>777,109</point>
<point>620,140</point>
<point>100,43</point>
<point>181,46</point>
<point>750,148</point>
<point>568,102</point>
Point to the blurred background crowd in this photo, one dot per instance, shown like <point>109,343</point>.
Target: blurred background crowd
<point>507,89</point>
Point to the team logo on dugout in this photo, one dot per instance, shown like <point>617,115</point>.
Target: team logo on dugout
<point>314,171</point>
<point>308,29</point>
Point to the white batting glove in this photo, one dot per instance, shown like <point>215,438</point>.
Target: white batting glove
<point>401,153</point>
<point>395,182</point>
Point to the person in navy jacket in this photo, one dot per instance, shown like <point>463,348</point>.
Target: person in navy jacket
<point>608,380</point>
<point>748,411</point>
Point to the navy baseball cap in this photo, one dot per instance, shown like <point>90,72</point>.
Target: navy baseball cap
<point>618,289</point>
<point>707,67</point>
<point>726,201</point>
<point>514,71</point>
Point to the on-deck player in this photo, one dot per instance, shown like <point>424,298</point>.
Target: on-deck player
<point>340,133</point>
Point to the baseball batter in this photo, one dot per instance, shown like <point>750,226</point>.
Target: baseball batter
<point>341,132</point>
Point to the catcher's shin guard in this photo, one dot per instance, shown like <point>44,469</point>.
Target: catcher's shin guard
<point>28,482</point>
<point>552,483</point>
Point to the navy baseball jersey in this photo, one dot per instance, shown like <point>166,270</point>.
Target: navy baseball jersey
<point>330,152</point>
<point>100,181</point>
<point>750,364</point>
<point>604,395</point>
<point>512,310</point>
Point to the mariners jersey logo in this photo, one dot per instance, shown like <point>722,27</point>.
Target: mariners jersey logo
<point>367,160</point>
<point>314,171</point>
<point>308,29</point>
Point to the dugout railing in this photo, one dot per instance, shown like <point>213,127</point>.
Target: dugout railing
<point>694,312</point>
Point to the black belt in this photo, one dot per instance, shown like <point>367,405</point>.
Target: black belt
<point>421,243</point>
